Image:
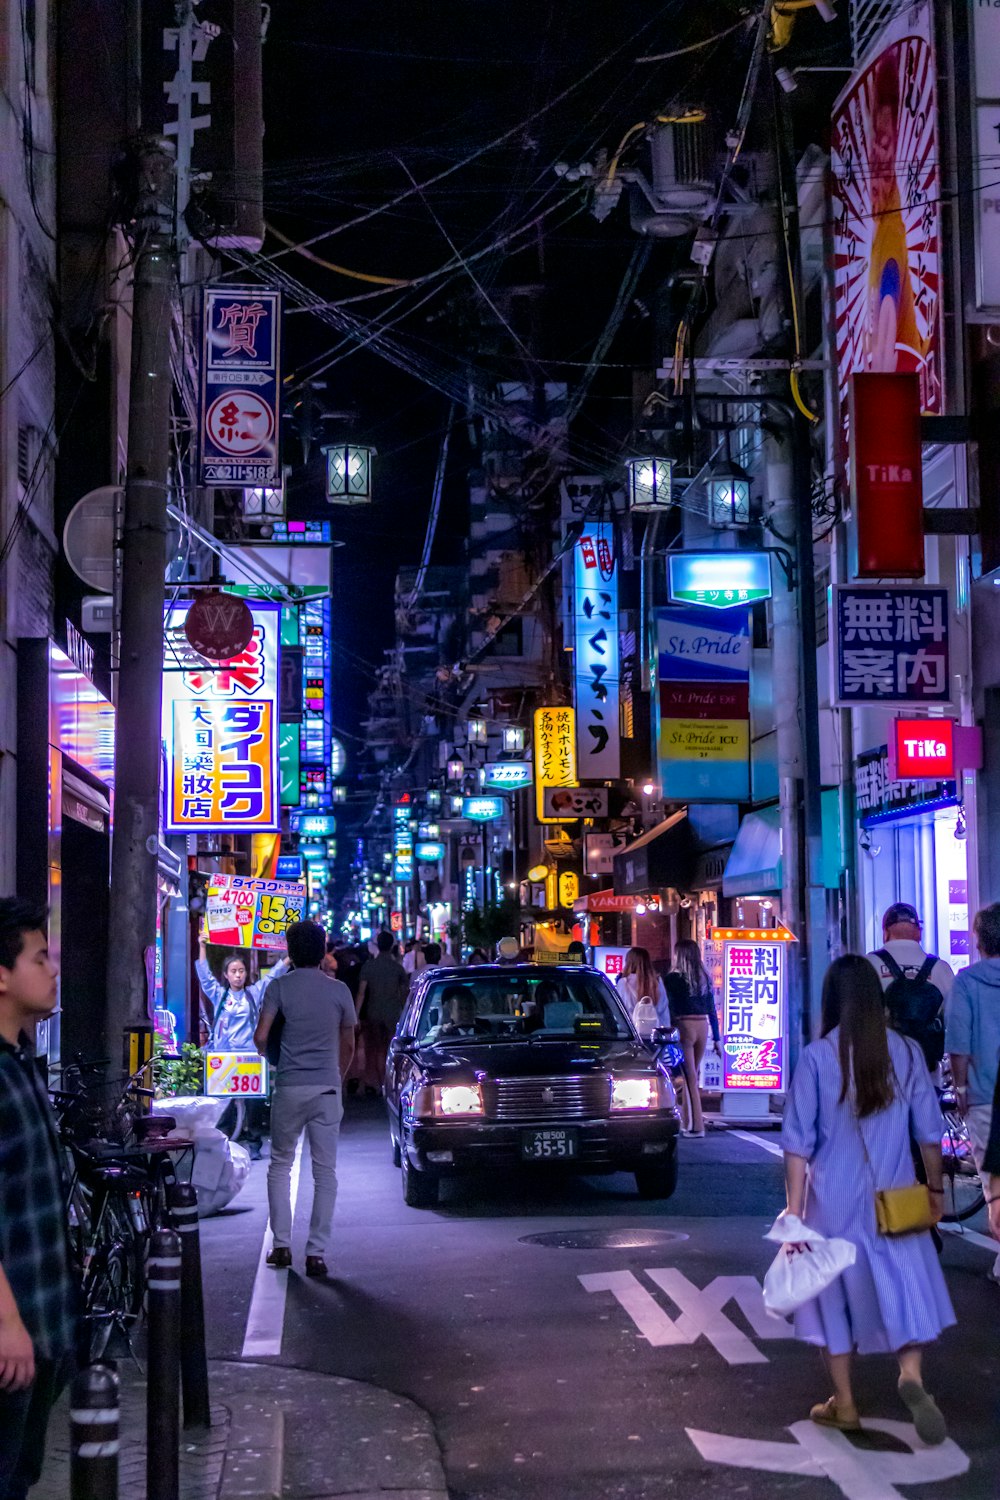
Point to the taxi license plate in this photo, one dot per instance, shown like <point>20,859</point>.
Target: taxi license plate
<point>548,1145</point>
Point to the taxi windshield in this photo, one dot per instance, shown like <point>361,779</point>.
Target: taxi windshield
<point>512,1005</point>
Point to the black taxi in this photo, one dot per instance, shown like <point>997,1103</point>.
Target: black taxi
<point>526,1067</point>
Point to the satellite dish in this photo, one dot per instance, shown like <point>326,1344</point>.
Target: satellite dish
<point>89,537</point>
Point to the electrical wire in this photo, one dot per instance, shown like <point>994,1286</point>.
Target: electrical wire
<point>329,265</point>
<point>696,46</point>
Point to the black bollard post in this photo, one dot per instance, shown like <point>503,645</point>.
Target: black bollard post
<point>163,1437</point>
<point>182,1200</point>
<point>93,1428</point>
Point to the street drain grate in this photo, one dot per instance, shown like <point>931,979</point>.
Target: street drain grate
<point>603,1239</point>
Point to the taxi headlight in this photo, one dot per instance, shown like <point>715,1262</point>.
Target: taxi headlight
<point>634,1093</point>
<point>448,1101</point>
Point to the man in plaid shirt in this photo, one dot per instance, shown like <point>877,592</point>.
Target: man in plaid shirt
<point>37,1292</point>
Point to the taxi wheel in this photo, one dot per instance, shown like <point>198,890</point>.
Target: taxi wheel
<point>420,1189</point>
<point>657,1182</point>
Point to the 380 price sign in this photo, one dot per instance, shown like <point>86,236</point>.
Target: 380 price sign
<point>236,1075</point>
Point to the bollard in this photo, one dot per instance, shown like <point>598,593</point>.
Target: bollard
<point>93,1434</point>
<point>182,1200</point>
<point>163,1437</point>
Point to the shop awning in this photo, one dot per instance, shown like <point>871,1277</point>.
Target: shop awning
<point>664,856</point>
<point>754,866</point>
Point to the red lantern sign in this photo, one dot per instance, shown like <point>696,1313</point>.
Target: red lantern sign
<point>887,475</point>
<point>924,750</point>
<point>218,625</point>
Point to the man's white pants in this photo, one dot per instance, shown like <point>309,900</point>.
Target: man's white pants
<point>977,1118</point>
<point>318,1111</point>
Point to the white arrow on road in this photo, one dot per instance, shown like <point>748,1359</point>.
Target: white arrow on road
<point>824,1453</point>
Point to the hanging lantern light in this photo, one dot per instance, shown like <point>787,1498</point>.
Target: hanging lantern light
<point>348,473</point>
<point>728,496</point>
<point>513,739</point>
<point>476,730</point>
<point>434,799</point>
<point>456,768</point>
<point>649,485</point>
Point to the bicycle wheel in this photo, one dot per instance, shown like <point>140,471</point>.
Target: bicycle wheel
<point>963,1188</point>
<point>115,1282</point>
<point>232,1119</point>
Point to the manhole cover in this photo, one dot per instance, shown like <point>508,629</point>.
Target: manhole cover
<point>603,1239</point>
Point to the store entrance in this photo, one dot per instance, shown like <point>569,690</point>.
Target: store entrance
<point>85,859</point>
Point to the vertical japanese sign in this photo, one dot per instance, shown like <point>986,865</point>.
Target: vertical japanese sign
<point>240,382</point>
<point>220,731</point>
<point>402,841</point>
<point>887,475</point>
<point>753,1014</point>
<point>555,754</point>
<point>986,152</point>
<point>702,703</point>
<point>596,670</point>
<point>892,645</point>
<point>887,218</point>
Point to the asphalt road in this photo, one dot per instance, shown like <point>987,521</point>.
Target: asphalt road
<point>579,1372</point>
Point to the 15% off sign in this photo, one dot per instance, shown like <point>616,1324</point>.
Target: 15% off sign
<point>234,1075</point>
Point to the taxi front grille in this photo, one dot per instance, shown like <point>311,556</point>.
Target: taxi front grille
<point>573,1098</point>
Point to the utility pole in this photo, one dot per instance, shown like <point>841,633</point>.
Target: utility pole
<point>132,925</point>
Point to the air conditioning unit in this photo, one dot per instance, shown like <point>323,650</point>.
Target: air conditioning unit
<point>680,195</point>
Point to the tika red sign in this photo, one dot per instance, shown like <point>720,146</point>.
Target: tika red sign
<point>924,750</point>
<point>887,475</point>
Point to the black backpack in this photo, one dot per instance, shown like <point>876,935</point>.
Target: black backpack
<point>914,1006</point>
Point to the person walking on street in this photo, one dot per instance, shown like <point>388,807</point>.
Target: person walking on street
<point>692,1011</point>
<point>382,989</point>
<point>235,1013</point>
<point>639,981</point>
<point>916,984</point>
<point>38,1292</point>
<point>317,1043</point>
<point>972,1037</point>
<point>856,1098</point>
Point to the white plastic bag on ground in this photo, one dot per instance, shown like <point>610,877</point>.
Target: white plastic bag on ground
<point>191,1110</point>
<point>219,1169</point>
<point>795,1277</point>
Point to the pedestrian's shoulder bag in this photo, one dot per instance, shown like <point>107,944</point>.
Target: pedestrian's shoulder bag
<point>898,1210</point>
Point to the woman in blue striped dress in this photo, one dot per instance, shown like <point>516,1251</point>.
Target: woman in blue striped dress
<point>856,1098</point>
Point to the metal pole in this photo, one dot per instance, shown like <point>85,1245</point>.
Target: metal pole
<point>164,1366</point>
<point>93,1417</point>
<point>132,922</point>
<point>182,1200</point>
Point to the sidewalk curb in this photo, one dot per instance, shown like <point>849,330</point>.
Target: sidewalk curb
<point>255,1454</point>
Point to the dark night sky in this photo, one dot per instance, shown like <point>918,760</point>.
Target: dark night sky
<point>361,101</point>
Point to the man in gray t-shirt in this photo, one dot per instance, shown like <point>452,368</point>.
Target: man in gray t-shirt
<point>317,1044</point>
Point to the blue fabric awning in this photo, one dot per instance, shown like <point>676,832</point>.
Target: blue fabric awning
<point>754,866</point>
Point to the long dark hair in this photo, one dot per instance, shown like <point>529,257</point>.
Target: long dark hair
<point>687,962</point>
<point>852,1000</point>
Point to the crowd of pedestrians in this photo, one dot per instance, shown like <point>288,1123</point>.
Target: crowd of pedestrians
<point>861,1126</point>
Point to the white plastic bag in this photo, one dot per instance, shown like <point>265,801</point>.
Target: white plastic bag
<point>796,1277</point>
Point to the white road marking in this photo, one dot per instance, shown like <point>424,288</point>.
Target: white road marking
<point>971,1235</point>
<point>700,1311</point>
<point>818,1453</point>
<point>266,1318</point>
<point>757,1140</point>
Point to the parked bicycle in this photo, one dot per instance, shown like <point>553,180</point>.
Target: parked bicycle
<point>119,1172</point>
<point>963,1188</point>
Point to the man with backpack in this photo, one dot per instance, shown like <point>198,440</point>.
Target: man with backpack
<point>916,984</point>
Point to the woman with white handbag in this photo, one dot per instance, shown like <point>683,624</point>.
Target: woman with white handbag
<point>857,1097</point>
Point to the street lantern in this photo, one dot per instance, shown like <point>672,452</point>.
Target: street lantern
<point>456,804</point>
<point>649,485</point>
<point>476,730</point>
<point>513,739</point>
<point>538,873</point>
<point>456,768</point>
<point>348,473</point>
<point>434,799</point>
<point>728,496</point>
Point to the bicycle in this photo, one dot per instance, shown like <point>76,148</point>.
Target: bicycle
<point>963,1188</point>
<point>117,1195</point>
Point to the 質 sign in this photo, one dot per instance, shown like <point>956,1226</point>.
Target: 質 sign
<point>240,378</point>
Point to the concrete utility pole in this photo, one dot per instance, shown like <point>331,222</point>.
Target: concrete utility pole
<point>132,926</point>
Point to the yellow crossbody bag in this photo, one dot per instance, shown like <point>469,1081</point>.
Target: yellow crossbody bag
<point>899,1210</point>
